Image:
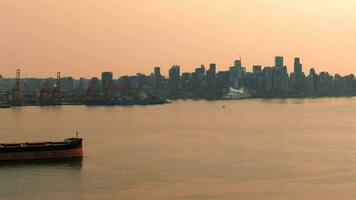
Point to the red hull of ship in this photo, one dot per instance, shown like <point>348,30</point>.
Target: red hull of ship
<point>42,155</point>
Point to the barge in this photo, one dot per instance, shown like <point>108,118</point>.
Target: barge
<point>123,102</point>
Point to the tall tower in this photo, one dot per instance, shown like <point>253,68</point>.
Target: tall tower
<point>157,77</point>
<point>174,80</point>
<point>278,61</point>
<point>297,66</point>
<point>107,84</point>
<point>157,71</point>
<point>106,80</point>
<point>238,63</point>
<point>211,81</point>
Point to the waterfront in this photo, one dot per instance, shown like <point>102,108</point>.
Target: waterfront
<point>247,149</point>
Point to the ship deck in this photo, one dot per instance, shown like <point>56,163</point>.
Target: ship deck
<point>41,146</point>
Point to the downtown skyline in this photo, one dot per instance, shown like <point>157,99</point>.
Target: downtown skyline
<point>289,62</point>
<point>204,82</point>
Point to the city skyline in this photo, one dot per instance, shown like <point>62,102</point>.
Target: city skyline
<point>83,37</point>
<point>164,70</point>
<point>204,82</point>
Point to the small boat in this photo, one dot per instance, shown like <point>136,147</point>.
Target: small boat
<point>68,148</point>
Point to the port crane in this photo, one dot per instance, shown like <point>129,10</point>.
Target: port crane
<point>56,92</point>
<point>51,97</point>
<point>16,99</point>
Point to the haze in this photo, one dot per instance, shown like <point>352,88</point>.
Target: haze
<point>82,38</point>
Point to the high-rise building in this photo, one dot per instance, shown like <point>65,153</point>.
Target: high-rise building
<point>198,81</point>
<point>33,85</point>
<point>174,78</point>
<point>157,79</point>
<point>93,87</point>
<point>211,81</point>
<point>237,63</point>
<point>297,66</point>
<point>94,81</point>
<point>256,69</point>
<point>236,73</point>
<point>298,78</point>
<point>268,80</point>
<point>186,83</point>
<point>280,77</point>
<point>201,71</point>
<point>279,61</point>
<point>81,85</point>
<point>233,76</point>
<point>222,81</point>
<point>67,83</point>
<point>141,80</point>
<point>157,71</point>
<point>239,68</point>
<point>106,80</point>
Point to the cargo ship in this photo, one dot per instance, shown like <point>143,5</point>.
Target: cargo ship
<point>67,149</point>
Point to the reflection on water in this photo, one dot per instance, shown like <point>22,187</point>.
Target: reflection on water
<point>251,149</point>
<point>72,163</point>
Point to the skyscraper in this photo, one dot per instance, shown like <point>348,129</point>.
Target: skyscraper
<point>93,87</point>
<point>197,80</point>
<point>279,61</point>
<point>297,66</point>
<point>236,73</point>
<point>256,69</point>
<point>239,68</point>
<point>298,77</point>
<point>268,80</point>
<point>211,81</point>
<point>157,71</point>
<point>186,83</point>
<point>174,77</point>
<point>237,63</point>
<point>106,80</point>
<point>212,69</point>
<point>280,77</point>
<point>157,77</point>
<point>233,77</point>
<point>222,81</point>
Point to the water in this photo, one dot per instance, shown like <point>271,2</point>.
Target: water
<point>190,150</point>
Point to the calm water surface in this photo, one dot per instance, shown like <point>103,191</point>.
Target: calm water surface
<point>190,150</point>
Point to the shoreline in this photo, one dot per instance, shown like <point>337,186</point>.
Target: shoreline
<point>180,99</point>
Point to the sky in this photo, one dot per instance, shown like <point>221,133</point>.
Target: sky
<point>82,38</point>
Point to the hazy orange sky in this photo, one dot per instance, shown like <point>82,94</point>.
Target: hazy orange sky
<point>85,37</point>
